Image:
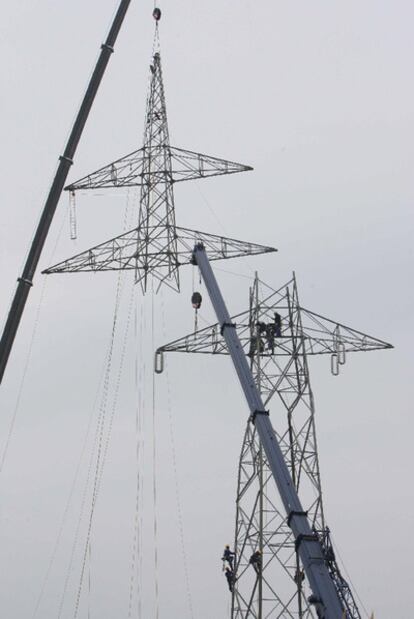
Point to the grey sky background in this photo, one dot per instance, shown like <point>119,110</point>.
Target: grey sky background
<point>318,98</point>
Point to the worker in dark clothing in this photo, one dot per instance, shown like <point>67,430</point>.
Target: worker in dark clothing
<point>256,561</point>
<point>299,577</point>
<point>278,325</point>
<point>228,555</point>
<point>229,574</point>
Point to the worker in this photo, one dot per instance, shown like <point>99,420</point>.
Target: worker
<point>229,574</point>
<point>278,325</point>
<point>299,577</point>
<point>270,337</point>
<point>228,555</point>
<point>317,603</point>
<point>256,561</point>
<point>260,327</point>
<point>256,342</point>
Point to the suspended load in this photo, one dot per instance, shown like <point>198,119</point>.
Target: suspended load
<point>196,300</point>
<point>156,14</point>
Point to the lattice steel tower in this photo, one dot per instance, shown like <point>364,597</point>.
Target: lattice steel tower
<point>278,335</point>
<point>156,247</point>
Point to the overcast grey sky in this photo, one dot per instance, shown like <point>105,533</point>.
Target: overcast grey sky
<point>318,98</point>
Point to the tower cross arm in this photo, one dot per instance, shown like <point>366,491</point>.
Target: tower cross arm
<point>133,170</point>
<point>189,165</point>
<point>325,336</point>
<point>299,326</point>
<point>128,252</point>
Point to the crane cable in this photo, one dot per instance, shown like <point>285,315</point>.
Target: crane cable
<point>104,442</point>
<point>30,350</point>
<point>70,497</point>
<point>154,465</point>
<point>126,225</point>
<point>98,445</point>
<point>136,555</point>
<point>175,471</point>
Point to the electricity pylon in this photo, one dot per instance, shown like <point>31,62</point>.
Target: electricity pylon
<point>278,335</point>
<point>156,246</point>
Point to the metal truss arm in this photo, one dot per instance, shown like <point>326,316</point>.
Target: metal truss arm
<point>131,170</point>
<point>319,335</point>
<point>25,282</point>
<point>326,599</point>
<point>123,253</point>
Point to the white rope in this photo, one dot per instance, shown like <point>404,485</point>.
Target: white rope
<point>69,500</point>
<point>100,432</point>
<point>136,572</point>
<point>104,442</point>
<point>30,350</point>
<point>176,482</point>
<point>154,464</point>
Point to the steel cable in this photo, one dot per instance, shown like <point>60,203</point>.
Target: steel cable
<point>127,213</point>
<point>154,464</point>
<point>104,442</point>
<point>176,482</point>
<point>136,555</point>
<point>30,350</point>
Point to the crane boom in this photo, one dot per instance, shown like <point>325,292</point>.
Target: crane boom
<point>25,282</point>
<point>325,596</point>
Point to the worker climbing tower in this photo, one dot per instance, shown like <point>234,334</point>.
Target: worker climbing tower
<point>156,247</point>
<point>278,335</point>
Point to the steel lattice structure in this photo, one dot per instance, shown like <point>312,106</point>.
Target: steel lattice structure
<point>156,246</point>
<point>279,361</point>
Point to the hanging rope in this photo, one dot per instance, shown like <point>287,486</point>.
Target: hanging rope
<point>30,350</point>
<point>154,463</point>
<point>89,577</point>
<point>128,213</point>
<point>86,486</point>
<point>23,379</point>
<point>175,470</point>
<point>100,431</point>
<point>104,443</point>
<point>136,556</point>
<point>69,500</point>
